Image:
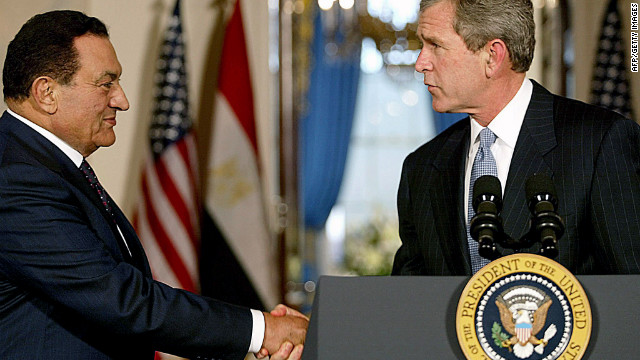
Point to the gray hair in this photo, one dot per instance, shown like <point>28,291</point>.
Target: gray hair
<point>480,21</point>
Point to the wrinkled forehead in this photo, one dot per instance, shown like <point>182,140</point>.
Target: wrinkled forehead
<point>436,21</point>
<point>97,56</point>
<point>424,4</point>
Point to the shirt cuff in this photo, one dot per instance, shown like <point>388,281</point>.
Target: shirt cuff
<point>257,334</point>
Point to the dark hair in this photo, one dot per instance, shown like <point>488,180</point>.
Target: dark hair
<point>44,47</point>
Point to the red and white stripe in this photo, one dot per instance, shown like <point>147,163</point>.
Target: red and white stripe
<point>523,334</point>
<point>233,193</point>
<point>168,217</point>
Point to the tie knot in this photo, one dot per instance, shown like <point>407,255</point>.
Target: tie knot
<point>90,175</point>
<point>88,171</point>
<point>487,138</point>
<point>84,166</point>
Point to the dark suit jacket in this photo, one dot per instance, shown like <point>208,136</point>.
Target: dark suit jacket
<point>593,157</point>
<point>67,288</point>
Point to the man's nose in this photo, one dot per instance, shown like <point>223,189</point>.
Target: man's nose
<point>119,100</point>
<point>423,62</point>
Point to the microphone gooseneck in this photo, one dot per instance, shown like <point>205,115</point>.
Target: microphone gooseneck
<point>546,225</point>
<point>486,225</point>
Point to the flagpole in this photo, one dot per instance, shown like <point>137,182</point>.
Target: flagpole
<point>208,88</point>
<point>288,209</point>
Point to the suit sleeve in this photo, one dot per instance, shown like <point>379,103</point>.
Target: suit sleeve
<point>408,259</point>
<point>615,199</point>
<point>50,250</point>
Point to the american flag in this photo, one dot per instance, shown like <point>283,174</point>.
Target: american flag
<point>610,84</point>
<point>167,218</point>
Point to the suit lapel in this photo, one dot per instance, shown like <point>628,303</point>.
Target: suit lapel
<point>135,246</point>
<point>537,137</point>
<point>128,241</point>
<point>50,156</point>
<point>53,158</point>
<point>448,199</point>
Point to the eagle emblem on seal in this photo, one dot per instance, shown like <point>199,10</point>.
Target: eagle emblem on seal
<point>523,314</point>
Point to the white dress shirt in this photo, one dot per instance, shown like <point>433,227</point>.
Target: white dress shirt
<point>257,335</point>
<point>72,153</point>
<point>506,125</point>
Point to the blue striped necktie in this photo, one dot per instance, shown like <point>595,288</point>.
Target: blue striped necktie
<point>483,164</point>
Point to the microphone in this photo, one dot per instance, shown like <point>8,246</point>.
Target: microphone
<point>546,224</point>
<point>486,225</point>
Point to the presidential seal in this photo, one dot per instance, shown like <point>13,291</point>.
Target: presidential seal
<point>523,306</point>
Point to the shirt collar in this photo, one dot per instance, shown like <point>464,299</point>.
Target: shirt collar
<point>506,125</point>
<point>72,153</point>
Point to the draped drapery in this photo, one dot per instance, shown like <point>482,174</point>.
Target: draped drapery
<point>326,128</point>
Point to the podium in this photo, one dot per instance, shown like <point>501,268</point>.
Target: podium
<point>413,317</point>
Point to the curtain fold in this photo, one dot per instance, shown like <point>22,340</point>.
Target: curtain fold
<point>326,128</point>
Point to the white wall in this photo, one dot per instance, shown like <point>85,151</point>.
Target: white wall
<point>136,28</point>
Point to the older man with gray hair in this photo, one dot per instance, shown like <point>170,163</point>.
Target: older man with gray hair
<point>474,57</point>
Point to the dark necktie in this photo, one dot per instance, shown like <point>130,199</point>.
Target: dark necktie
<point>483,164</point>
<point>91,177</point>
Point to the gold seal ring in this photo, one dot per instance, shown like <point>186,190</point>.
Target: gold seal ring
<point>523,304</point>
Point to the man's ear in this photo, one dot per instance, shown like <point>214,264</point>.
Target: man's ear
<point>497,57</point>
<point>44,94</point>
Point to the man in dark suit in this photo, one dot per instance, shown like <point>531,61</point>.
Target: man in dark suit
<point>74,279</point>
<point>474,58</point>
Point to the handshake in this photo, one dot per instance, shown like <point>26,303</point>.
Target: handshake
<point>285,331</point>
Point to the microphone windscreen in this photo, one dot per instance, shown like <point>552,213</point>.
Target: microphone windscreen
<point>487,185</point>
<point>538,184</point>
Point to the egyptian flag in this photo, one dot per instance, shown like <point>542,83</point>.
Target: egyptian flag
<point>238,262</point>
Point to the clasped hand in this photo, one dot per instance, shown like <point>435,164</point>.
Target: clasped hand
<point>285,332</point>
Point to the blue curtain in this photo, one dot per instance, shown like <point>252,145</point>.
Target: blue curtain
<point>443,120</point>
<point>326,128</point>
